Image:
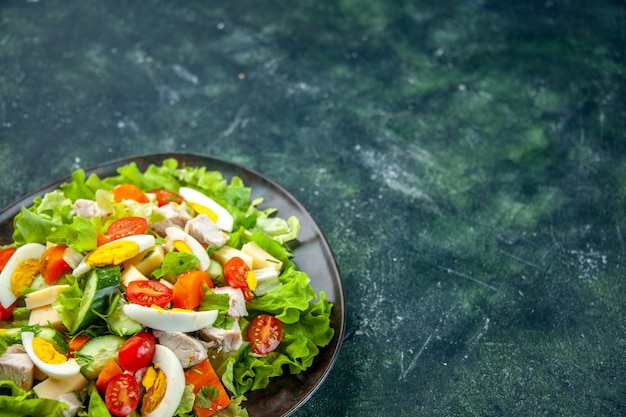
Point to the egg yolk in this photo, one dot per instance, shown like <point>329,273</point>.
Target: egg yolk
<point>23,275</point>
<point>200,209</point>
<point>251,280</point>
<point>182,246</point>
<point>113,253</point>
<point>46,352</point>
<point>155,383</point>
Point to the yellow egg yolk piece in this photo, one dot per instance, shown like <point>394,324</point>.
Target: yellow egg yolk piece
<point>113,253</point>
<point>251,280</point>
<point>182,246</point>
<point>200,209</point>
<point>46,352</point>
<point>155,383</point>
<point>23,275</point>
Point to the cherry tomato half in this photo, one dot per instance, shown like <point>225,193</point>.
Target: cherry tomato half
<point>236,271</point>
<point>129,192</point>
<point>137,351</point>
<point>6,313</point>
<point>127,226</point>
<point>264,334</point>
<point>5,255</point>
<point>148,293</point>
<point>164,197</point>
<point>188,289</point>
<point>52,265</point>
<point>122,395</point>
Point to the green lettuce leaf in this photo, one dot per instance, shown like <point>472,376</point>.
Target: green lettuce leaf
<point>288,301</point>
<point>67,303</point>
<point>185,407</point>
<point>174,264</point>
<point>300,344</point>
<point>302,340</point>
<point>15,401</point>
<point>80,234</point>
<point>78,188</point>
<point>97,406</point>
<point>234,409</point>
<point>31,228</point>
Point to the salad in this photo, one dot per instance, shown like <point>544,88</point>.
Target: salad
<point>157,293</point>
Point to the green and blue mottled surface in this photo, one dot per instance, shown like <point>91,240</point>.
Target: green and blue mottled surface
<point>465,159</point>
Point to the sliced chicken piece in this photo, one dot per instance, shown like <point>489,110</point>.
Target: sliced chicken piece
<point>237,302</point>
<point>225,340</point>
<point>205,231</point>
<point>174,215</point>
<point>189,351</point>
<point>15,365</point>
<point>73,400</point>
<point>88,209</point>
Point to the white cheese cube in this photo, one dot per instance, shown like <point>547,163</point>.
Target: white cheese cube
<point>147,261</point>
<point>225,253</point>
<point>131,274</point>
<point>51,388</point>
<point>43,297</point>
<point>260,258</point>
<point>46,316</point>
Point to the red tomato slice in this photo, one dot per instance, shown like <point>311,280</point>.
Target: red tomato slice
<point>129,192</point>
<point>52,265</point>
<point>149,292</point>
<point>6,313</point>
<point>188,289</point>
<point>235,272</point>
<point>264,334</point>
<point>5,255</point>
<point>122,395</point>
<point>127,226</point>
<point>137,351</point>
<point>164,197</point>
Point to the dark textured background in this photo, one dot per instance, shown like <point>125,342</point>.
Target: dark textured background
<point>465,159</point>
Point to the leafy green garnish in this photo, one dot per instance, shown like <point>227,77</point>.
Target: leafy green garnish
<point>206,396</point>
<point>174,264</point>
<point>15,401</point>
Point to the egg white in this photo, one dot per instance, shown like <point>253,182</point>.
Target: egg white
<point>144,242</point>
<point>174,233</point>
<point>27,251</point>
<point>65,370</point>
<point>170,320</point>
<point>224,218</point>
<point>166,360</point>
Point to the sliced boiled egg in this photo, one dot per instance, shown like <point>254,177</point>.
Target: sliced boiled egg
<point>166,360</point>
<point>47,359</point>
<point>203,204</point>
<point>189,244</point>
<point>170,320</point>
<point>115,252</point>
<point>19,271</point>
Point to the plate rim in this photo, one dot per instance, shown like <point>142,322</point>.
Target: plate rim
<point>8,212</point>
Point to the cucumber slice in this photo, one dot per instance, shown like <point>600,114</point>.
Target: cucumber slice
<point>96,353</point>
<point>55,337</point>
<point>216,272</point>
<point>101,283</point>
<point>121,324</point>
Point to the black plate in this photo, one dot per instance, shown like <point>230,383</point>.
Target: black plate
<point>312,253</point>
